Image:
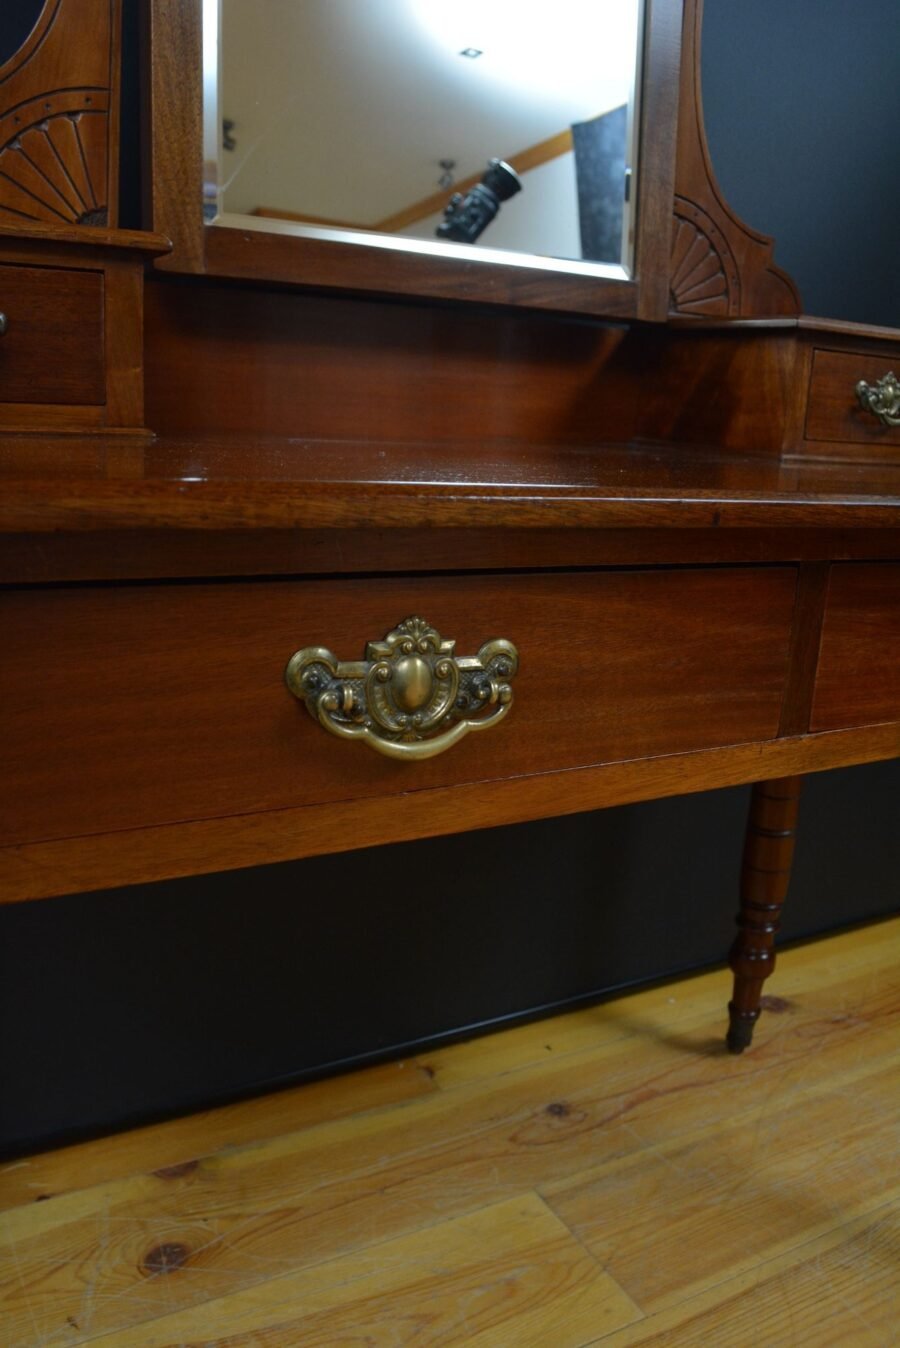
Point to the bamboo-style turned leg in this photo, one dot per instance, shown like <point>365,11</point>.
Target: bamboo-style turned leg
<point>765,875</point>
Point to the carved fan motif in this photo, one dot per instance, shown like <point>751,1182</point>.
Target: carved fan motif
<point>57,165</point>
<point>55,169</point>
<point>704,274</point>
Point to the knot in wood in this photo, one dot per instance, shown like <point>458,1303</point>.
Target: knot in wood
<point>164,1258</point>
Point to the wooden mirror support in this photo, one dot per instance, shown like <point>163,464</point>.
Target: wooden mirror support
<point>71,284</point>
<point>59,119</point>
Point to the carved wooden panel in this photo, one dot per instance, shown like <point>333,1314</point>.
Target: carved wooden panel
<point>59,118</point>
<point>704,276</point>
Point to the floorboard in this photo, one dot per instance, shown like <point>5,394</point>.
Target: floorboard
<point>608,1177</point>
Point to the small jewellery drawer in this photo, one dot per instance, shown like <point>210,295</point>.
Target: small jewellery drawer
<point>851,399</point>
<point>858,674</point>
<point>135,705</point>
<point>51,347</point>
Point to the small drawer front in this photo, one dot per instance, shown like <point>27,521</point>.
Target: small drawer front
<point>52,349</point>
<point>834,412</point>
<point>152,704</point>
<point>858,676</point>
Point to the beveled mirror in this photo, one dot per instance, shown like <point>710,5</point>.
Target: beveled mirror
<point>507,152</point>
<point>384,121</point>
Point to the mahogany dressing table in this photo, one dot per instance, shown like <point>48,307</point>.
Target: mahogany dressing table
<point>544,541</point>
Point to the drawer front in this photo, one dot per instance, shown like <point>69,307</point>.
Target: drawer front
<point>833,410</point>
<point>858,676</point>
<point>52,350</point>
<point>139,705</point>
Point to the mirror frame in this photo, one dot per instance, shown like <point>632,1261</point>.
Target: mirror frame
<point>175,161</point>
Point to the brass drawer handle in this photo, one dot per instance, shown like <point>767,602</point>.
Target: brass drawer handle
<point>3,324</point>
<point>881,399</point>
<point>409,686</point>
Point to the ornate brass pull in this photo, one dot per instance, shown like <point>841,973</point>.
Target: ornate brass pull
<point>881,399</point>
<point>409,685</point>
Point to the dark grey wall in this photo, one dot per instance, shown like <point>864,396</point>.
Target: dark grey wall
<point>802,103</point>
<point>17,18</point>
<point>130,1004</point>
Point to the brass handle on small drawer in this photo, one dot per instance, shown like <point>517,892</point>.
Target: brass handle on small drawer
<point>411,697</point>
<point>881,399</point>
<point>3,324</point>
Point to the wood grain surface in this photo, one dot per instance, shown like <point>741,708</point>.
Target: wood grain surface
<point>173,176</point>
<point>736,389</point>
<point>606,1177</point>
<point>834,411</point>
<point>84,240</point>
<point>806,637</point>
<point>53,348</point>
<point>248,483</point>
<point>103,861</point>
<point>124,330</point>
<point>59,118</point>
<point>170,700</point>
<point>148,554</point>
<point>765,877</point>
<point>246,359</point>
<point>858,679</point>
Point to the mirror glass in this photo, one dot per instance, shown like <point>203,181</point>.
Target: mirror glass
<point>499,129</point>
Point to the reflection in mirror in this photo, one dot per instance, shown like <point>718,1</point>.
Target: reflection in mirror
<point>496,128</point>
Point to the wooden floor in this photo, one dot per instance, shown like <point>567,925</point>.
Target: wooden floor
<point>607,1177</point>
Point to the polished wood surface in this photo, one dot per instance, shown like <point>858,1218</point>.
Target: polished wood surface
<point>84,240</point>
<point>765,388</point>
<point>738,389</point>
<point>765,876</point>
<point>607,1176</point>
<point>307,366</point>
<point>136,856</point>
<point>806,637</point>
<point>613,666</point>
<point>249,483</point>
<point>253,255</point>
<point>159,554</point>
<point>52,350</point>
<point>71,360</point>
<point>858,679</point>
<point>173,169</point>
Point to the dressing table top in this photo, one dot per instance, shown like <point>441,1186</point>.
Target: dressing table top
<point>216,482</point>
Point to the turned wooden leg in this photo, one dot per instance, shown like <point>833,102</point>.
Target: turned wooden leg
<point>765,874</point>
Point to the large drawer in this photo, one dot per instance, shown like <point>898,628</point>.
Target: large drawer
<point>147,704</point>
<point>52,349</point>
<point>858,675</point>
